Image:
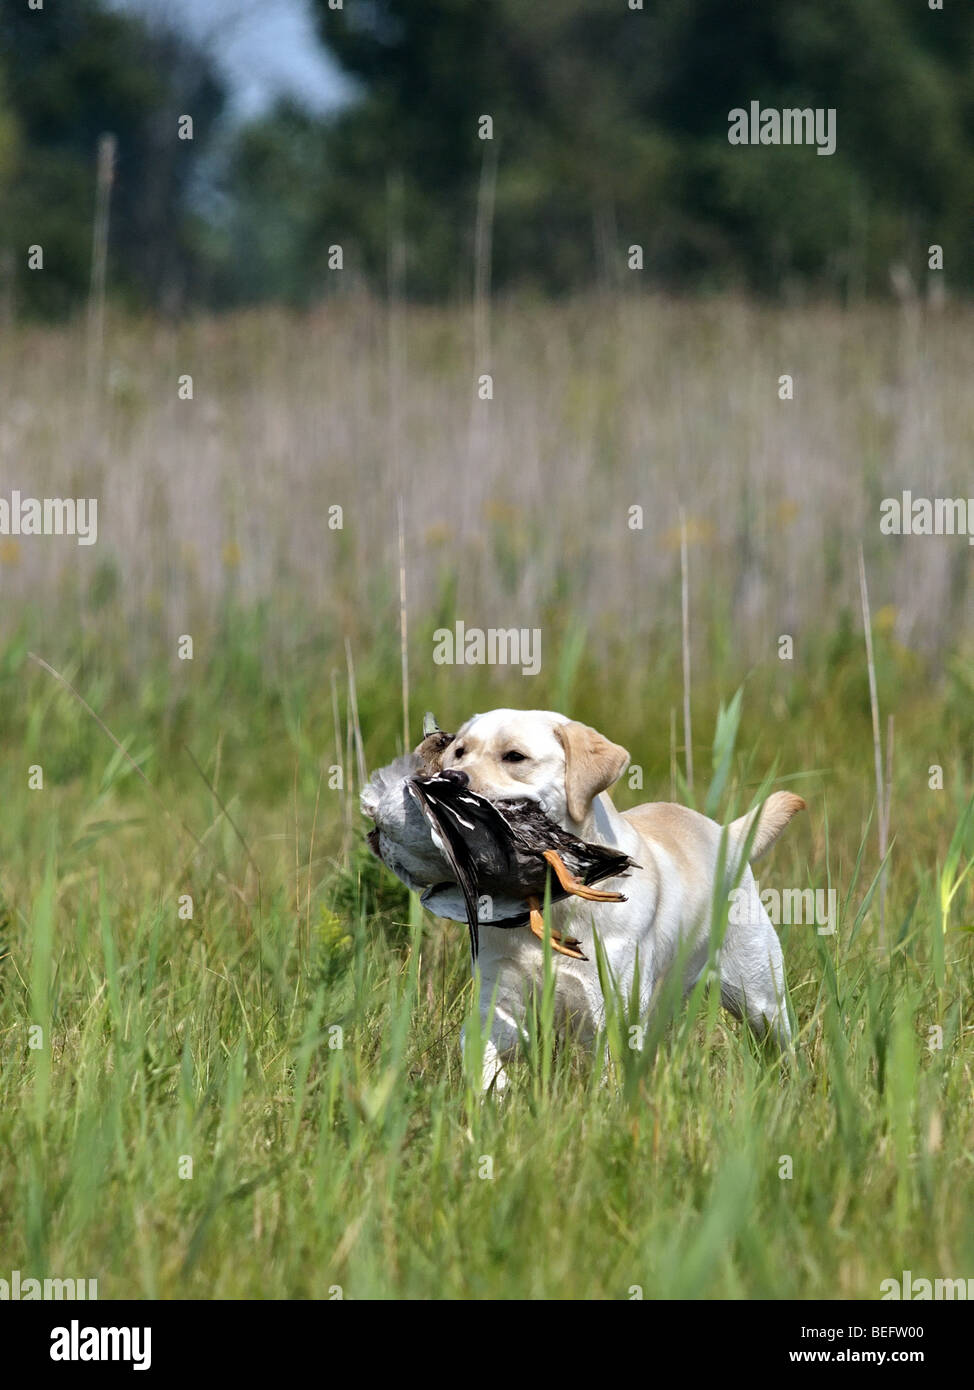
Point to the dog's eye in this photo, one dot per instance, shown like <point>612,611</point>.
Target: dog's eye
<point>514,757</point>
<point>459,752</point>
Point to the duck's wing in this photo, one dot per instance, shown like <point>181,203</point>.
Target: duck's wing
<point>593,862</point>
<point>534,832</point>
<point>478,829</point>
<point>450,828</point>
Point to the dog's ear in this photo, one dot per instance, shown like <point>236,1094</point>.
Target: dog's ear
<point>592,763</point>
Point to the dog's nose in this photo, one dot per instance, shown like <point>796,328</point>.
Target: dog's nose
<point>454,774</point>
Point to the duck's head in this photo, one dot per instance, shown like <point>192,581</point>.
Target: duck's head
<point>434,745</point>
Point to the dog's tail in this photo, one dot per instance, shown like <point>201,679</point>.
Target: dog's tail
<point>772,817</point>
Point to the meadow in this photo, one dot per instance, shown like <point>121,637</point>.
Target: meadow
<point>266,1098</point>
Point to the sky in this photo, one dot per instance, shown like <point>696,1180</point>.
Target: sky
<point>264,49</point>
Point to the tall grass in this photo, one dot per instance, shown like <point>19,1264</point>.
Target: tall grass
<point>598,407</point>
<point>267,1098</point>
<point>373,1165</point>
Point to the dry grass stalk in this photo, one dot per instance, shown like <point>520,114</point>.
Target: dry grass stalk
<point>685,592</point>
<point>877,741</point>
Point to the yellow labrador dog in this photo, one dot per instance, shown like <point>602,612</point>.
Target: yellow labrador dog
<point>566,768</point>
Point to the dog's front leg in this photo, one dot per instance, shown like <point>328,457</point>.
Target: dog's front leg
<point>499,1046</point>
<point>498,1021</point>
<point>493,1072</point>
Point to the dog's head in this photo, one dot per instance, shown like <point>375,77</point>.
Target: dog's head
<point>555,761</point>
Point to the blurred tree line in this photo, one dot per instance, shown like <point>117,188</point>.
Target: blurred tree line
<point>609,129</point>
<point>68,73</point>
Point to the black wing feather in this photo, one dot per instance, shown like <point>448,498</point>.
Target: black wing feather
<point>457,852</point>
<point>480,840</point>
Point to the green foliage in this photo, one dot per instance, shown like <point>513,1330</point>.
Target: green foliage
<point>69,73</point>
<point>362,886</point>
<point>616,119</point>
<point>610,129</point>
<point>725,737</point>
<point>362,1165</point>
